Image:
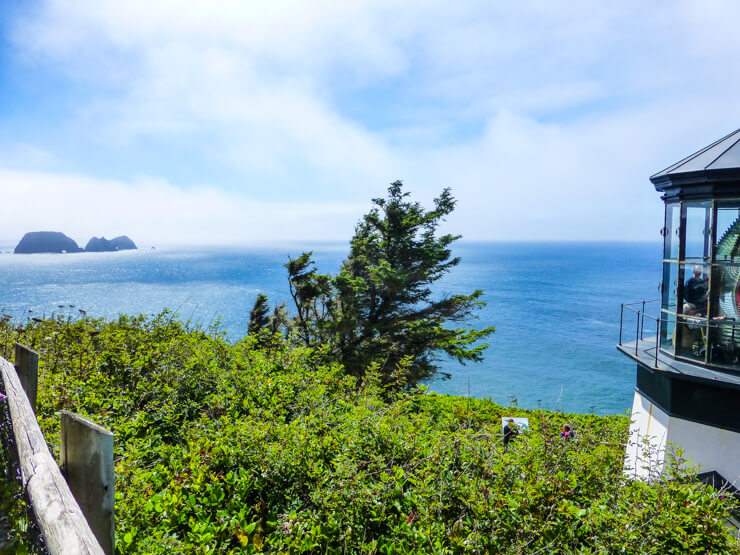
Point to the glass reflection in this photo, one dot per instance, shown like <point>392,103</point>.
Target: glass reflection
<point>724,295</point>
<point>692,331</point>
<point>667,332</point>
<point>698,226</point>
<point>723,341</point>
<point>700,299</point>
<point>671,230</point>
<point>728,235</point>
<point>670,285</point>
<point>696,288</point>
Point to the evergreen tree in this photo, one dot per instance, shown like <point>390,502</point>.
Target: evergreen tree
<point>279,320</point>
<point>258,319</point>
<point>313,298</point>
<point>380,308</point>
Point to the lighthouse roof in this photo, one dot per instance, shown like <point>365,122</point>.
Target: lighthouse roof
<point>715,164</point>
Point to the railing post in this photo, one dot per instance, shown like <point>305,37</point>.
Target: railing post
<point>733,331</point>
<point>657,341</point>
<point>642,327</point>
<point>637,332</point>
<point>27,367</point>
<point>86,459</point>
<point>621,320</point>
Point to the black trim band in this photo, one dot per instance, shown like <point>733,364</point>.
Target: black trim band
<point>711,404</point>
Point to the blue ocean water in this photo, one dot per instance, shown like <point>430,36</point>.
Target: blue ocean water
<point>555,305</point>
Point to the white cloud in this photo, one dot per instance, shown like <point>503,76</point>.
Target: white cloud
<point>24,154</point>
<point>545,119</point>
<point>152,212</point>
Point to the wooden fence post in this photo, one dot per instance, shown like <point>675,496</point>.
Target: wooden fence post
<point>27,367</point>
<point>58,513</point>
<point>86,454</point>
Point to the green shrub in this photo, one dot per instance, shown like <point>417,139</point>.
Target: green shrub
<point>239,448</point>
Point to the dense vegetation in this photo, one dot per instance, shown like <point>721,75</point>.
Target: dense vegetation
<point>263,447</point>
<point>379,309</point>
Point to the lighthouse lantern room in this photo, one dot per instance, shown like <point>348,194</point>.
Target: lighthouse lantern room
<point>687,343</point>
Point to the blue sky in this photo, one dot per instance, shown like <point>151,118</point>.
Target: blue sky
<point>229,121</point>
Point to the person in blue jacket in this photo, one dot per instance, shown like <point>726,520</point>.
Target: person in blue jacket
<point>567,432</point>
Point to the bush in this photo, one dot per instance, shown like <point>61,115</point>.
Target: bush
<point>240,448</point>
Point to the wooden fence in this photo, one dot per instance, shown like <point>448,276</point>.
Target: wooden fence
<point>87,452</point>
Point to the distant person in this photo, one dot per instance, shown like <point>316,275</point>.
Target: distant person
<point>510,432</point>
<point>567,432</point>
<point>691,337</point>
<point>695,291</point>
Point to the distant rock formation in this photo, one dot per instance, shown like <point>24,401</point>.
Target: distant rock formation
<point>123,243</point>
<point>101,244</point>
<point>46,241</point>
<point>55,241</point>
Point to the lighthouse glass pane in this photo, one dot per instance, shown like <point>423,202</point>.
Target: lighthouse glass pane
<point>725,293</point>
<point>667,332</point>
<point>724,316</point>
<point>670,231</point>
<point>670,285</point>
<point>695,290</point>
<point>698,226</point>
<point>727,247</point>
<point>724,343</point>
<point>691,336</point>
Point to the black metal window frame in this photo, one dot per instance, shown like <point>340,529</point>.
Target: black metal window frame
<point>672,317</point>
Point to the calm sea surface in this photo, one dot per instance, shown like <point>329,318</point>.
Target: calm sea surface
<point>555,305</point>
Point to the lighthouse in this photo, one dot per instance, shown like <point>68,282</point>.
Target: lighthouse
<point>686,343</point>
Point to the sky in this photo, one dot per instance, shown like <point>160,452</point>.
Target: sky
<point>222,122</point>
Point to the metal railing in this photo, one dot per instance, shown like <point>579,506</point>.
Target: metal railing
<point>638,308</point>
<point>717,338</point>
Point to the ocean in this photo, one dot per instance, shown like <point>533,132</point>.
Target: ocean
<point>555,306</point>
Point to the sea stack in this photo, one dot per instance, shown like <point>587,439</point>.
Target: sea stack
<point>46,241</point>
<point>101,244</point>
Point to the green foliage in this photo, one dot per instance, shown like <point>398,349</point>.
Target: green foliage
<point>266,329</point>
<point>14,521</point>
<point>239,448</point>
<point>380,308</point>
<point>314,301</point>
<point>258,318</point>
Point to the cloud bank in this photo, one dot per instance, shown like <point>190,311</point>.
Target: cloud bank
<point>153,212</point>
<point>545,120</point>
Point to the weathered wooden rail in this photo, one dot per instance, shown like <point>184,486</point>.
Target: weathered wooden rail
<point>60,519</point>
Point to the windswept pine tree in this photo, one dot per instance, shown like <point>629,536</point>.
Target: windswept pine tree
<point>380,308</point>
<point>264,327</point>
<point>258,318</point>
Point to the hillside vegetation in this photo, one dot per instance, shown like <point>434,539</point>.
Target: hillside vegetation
<point>258,446</point>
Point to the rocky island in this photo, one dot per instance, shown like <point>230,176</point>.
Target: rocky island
<point>46,241</point>
<point>101,244</point>
<point>56,242</point>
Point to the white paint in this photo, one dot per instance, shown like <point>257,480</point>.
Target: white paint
<point>647,440</point>
<point>654,435</point>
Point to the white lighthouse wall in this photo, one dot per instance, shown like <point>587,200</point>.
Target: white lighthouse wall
<point>712,448</point>
<point>647,440</point>
<point>706,446</point>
